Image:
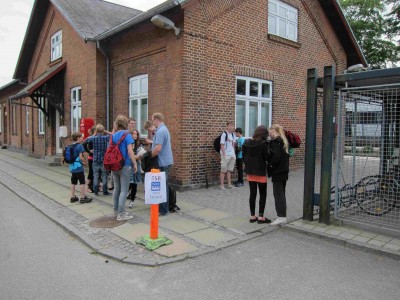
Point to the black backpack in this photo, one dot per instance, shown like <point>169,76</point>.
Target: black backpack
<point>68,154</point>
<point>217,142</point>
<point>172,207</point>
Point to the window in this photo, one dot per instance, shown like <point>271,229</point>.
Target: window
<point>41,120</point>
<point>138,101</point>
<point>76,110</point>
<point>27,119</point>
<point>1,120</point>
<point>56,45</point>
<point>282,20</point>
<point>253,104</point>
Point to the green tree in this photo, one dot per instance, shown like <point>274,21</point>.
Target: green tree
<point>370,24</point>
<point>394,19</point>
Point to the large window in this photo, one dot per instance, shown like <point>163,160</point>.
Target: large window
<point>282,20</point>
<point>56,45</point>
<point>253,104</point>
<point>138,101</point>
<point>76,108</point>
<point>41,119</point>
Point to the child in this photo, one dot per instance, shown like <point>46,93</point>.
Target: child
<point>77,170</point>
<point>239,156</point>
<point>136,177</point>
<point>151,130</point>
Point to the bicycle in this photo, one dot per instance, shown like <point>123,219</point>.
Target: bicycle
<point>375,195</point>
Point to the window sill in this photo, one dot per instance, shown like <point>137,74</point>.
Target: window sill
<point>282,40</point>
<point>54,62</point>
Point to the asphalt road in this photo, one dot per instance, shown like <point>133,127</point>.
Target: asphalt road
<point>39,260</point>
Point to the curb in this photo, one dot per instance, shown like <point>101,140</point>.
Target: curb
<point>345,242</point>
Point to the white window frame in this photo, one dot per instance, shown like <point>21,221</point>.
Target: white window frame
<point>139,93</point>
<point>259,100</point>
<point>290,19</point>
<point>41,116</point>
<point>1,120</point>
<point>56,45</point>
<point>76,102</point>
<point>27,119</point>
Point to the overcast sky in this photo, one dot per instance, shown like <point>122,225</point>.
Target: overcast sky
<point>14,18</point>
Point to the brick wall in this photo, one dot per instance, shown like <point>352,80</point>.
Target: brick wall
<point>85,68</point>
<point>223,39</point>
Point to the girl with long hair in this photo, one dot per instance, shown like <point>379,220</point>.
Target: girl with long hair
<point>278,169</point>
<point>136,177</point>
<point>255,152</point>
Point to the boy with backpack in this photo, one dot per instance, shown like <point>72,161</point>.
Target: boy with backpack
<point>239,156</point>
<point>73,155</point>
<point>228,157</point>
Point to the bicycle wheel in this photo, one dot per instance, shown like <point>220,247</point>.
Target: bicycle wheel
<point>375,195</point>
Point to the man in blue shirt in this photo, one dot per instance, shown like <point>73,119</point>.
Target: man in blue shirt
<point>161,148</point>
<point>99,144</point>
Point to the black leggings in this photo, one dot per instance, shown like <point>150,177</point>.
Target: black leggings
<point>133,190</point>
<point>262,187</point>
<point>280,198</point>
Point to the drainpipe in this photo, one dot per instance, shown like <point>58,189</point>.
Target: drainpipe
<point>108,85</point>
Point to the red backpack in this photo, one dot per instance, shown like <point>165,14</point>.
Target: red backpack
<point>113,158</point>
<point>293,139</point>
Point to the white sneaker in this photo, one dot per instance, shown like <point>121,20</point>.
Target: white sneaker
<point>279,220</point>
<point>222,188</point>
<point>124,216</point>
<point>231,187</point>
<point>130,205</point>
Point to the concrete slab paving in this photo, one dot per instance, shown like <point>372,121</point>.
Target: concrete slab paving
<point>240,225</point>
<point>131,232</point>
<point>209,214</point>
<point>178,247</point>
<point>187,206</point>
<point>210,236</point>
<point>181,225</point>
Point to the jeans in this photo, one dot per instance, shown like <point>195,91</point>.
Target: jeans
<point>97,166</point>
<point>164,207</point>
<point>121,186</point>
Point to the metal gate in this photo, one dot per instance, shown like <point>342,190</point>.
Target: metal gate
<point>366,162</point>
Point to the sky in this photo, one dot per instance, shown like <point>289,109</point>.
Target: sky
<point>14,18</point>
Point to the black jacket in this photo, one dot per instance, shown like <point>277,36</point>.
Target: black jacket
<point>255,155</point>
<point>278,161</point>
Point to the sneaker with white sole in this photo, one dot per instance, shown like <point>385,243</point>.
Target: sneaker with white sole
<point>130,205</point>
<point>222,188</point>
<point>231,187</point>
<point>124,216</point>
<point>279,220</point>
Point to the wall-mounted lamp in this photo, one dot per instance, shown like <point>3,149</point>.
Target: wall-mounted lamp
<point>163,22</point>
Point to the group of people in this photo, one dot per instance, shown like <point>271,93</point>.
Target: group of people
<point>156,147</point>
<point>264,155</point>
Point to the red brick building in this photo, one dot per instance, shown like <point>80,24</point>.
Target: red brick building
<point>243,61</point>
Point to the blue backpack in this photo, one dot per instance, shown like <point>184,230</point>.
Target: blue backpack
<point>68,154</point>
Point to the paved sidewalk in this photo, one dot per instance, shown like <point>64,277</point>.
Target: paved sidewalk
<point>209,219</point>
